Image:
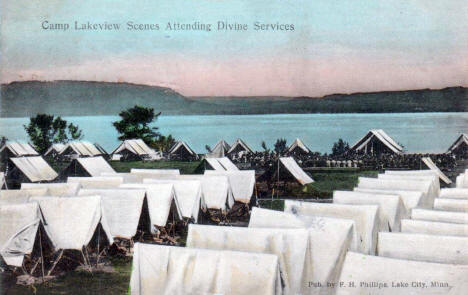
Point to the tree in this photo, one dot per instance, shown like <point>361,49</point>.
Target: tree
<point>135,124</point>
<point>44,130</point>
<point>280,146</point>
<point>163,143</point>
<point>208,148</point>
<point>340,147</point>
<point>264,146</point>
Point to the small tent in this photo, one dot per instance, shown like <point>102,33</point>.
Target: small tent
<point>239,147</point>
<point>19,225</point>
<point>169,270</point>
<point>182,152</point>
<point>242,183</point>
<point>227,164</point>
<point>431,165</point>
<point>423,247</point>
<point>298,148</point>
<point>219,164</point>
<point>162,203</point>
<point>366,273</point>
<point>54,151</point>
<point>16,149</point>
<point>451,205</point>
<point>365,216</point>
<point>411,199</point>
<point>189,196</point>
<point>454,193</point>
<point>433,228</point>
<point>89,166</point>
<point>54,189</point>
<point>29,169</point>
<point>294,170</point>
<point>219,150</point>
<point>134,149</point>
<point>71,222</point>
<point>377,142</point>
<point>392,209</point>
<point>20,196</point>
<point>77,149</point>
<point>460,146</point>
<point>97,181</point>
<point>156,172</point>
<point>434,189</point>
<point>122,208</point>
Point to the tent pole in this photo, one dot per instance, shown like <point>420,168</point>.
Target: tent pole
<point>42,255</point>
<point>55,263</point>
<point>99,239</point>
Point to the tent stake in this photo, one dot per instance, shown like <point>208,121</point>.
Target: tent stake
<point>55,263</point>
<point>42,256</point>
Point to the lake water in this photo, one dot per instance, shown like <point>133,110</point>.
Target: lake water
<point>417,132</point>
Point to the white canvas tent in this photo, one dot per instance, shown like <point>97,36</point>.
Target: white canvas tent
<point>182,150</point>
<point>431,165</point>
<point>290,245</point>
<point>365,217</point>
<point>440,216</point>
<point>454,193</point>
<point>291,166</point>
<point>451,205</point>
<point>367,273</point>
<point>71,222</point>
<point>219,150</point>
<point>2,180</point>
<point>400,184</point>
<point>188,193</point>
<point>433,228</point>
<point>460,143</point>
<point>242,183</point>
<point>122,208</point>
<point>54,189</point>
<point>89,166</point>
<point>35,168</point>
<point>214,164</point>
<point>97,181</point>
<point>80,149</point>
<point>434,189</point>
<point>19,224</point>
<point>411,199</point>
<point>227,164</point>
<point>392,209</point>
<point>17,149</point>
<point>161,200</point>
<point>329,240</point>
<point>376,141</point>
<point>137,148</point>
<point>55,149</point>
<point>239,147</point>
<point>422,247</point>
<point>174,270</point>
<point>127,177</point>
<point>217,192</point>
<point>298,147</point>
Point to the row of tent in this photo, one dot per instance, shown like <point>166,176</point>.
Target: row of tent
<point>397,228</point>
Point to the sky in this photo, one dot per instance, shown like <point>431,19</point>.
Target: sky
<point>337,46</point>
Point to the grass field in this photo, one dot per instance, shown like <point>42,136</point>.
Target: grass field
<point>82,282</point>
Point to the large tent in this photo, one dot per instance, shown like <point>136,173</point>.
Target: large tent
<point>122,208</point>
<point>168,270</point>
<point>411,199</point>
<point>423,247</point>
<point>434,178</point>
<point>298,148</point>
<point>367,273</point>
<point>242,183</point>
<point>219,150</point>
<point>433,228</point>
<point>460,146</point>
<point>71,222</point>
<point>90,166</point>
<point>19,224</point>
<point>366,218</point>
<point>392,209</point>
<point>17,149</point>
<point>290,245</point>
<point>293,169</point>
<point>135,149</point>
<point>329,240</point>
<point>182,152</point>
<point>239,147</point>
<point>376,142</point>
<point>29,169</point>
<point>189,196</point>
<point>77,149</point>
<point>97,181</point>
